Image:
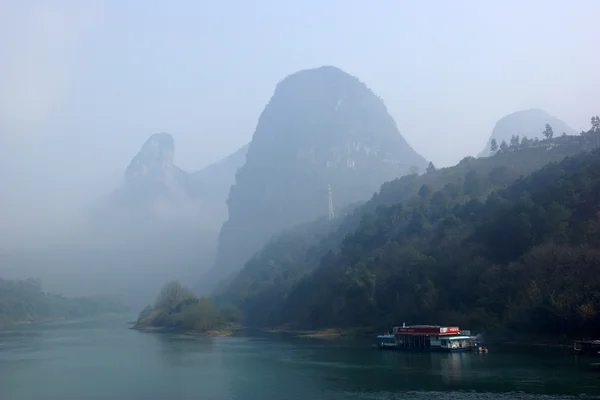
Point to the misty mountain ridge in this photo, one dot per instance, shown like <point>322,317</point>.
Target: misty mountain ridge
<point>161,223</point>
<point>530,123</point>
<point>156,193</point>
<point>322,127</point>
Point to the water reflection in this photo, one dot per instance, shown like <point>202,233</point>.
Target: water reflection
<point>452,369</point>
<point>182,350</point>
<point>20,344</point>
<point>105,360</point>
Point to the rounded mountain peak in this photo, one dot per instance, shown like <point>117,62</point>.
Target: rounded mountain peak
<point>324,108</point>
<point>325,79</point>
<point>530,123</point>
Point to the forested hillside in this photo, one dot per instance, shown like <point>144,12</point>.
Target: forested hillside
<point>466,245</point>
<point>25,301</point>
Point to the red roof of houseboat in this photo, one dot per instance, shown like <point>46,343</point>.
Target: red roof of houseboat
<point>426,330</point>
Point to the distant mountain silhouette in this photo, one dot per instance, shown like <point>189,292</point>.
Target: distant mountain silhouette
<point>528,123</point>
<point>154,190</point>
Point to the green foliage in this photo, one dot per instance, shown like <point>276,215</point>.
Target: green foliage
<point>431,168</point>
<point>455,253</point>
<point>201,316</point>
<point>548,132</point>
<point>595,124</point>
<point>171,295</point>
<point>519,260</point>
<point>493,146</point>
<point>176,308</point>
<point>25,301</point>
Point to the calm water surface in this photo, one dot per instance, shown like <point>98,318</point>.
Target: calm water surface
<point>102,359</point>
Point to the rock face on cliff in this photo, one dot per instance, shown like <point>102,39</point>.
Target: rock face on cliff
<point>152,180</point>
<point>216,180</point>
<point>530,123</point>
<point>321,127</point>
<point>154,189</point>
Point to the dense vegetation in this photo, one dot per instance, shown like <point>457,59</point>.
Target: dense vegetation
<point>177,309</point>
<point>477,244</point>
<point>25,301</point>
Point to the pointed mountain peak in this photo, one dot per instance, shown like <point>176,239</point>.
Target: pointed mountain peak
<point>155,157</point>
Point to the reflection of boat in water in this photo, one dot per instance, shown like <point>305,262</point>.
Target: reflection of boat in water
<point>587,347</point>
<point>595,366</point>
<point>427,338</point>
<point>451,368</point>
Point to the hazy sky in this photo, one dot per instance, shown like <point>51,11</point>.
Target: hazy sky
<point>84,83</point>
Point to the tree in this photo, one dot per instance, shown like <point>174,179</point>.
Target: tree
<point>525,142</point>
<point>471,183</point>
<point>431,168</point>
<point>498,175</point>
<point>424,192</point>
<point>201,317</point>
<point>171,295</point>
<point>503,147</point>
<point>514,142</point>
<point>548,132</point>
<point>595,123</point>
<point>494,146</point>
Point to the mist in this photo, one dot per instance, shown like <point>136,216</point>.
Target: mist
<point>83,87</point>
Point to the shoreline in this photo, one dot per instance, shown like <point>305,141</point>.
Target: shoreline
<point>5,325</point>
<point>160,329</point>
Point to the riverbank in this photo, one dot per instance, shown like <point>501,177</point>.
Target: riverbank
<point>9,324</point>
<point>222,332</point>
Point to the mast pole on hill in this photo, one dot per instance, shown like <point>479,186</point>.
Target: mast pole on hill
<point>331,212</point>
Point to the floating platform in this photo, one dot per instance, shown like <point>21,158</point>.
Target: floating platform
<point>432,338</point>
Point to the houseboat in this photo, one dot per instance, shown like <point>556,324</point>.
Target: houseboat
<point>427,338</point>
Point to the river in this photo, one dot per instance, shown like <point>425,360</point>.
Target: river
<point>103,359</point>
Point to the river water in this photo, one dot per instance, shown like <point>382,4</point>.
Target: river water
<point>103,359</point>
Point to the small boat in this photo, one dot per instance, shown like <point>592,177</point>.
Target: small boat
<point>387,341</point>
